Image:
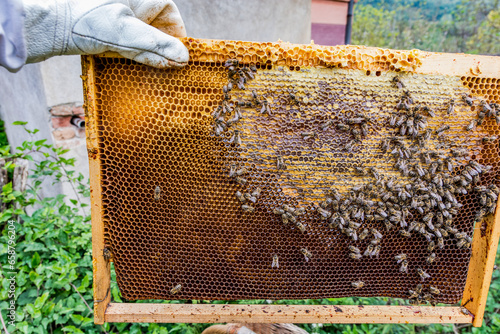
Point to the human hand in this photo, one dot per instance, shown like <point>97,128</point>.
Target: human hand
<point>142,30</point>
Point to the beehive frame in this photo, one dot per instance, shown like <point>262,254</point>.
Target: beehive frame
<point>480,267</point>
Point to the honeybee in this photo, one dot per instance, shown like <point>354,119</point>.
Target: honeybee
<point>354,249</point>
<point>300,226</point>
<point>374,172</point>
<point>236,138</point>
<point>306,253</point>
<point>405,233</point>
<point>356,120</point>
<point>363,234</point>
<point>250,198</point>
<point>398,83</point>
<point>241,171</point>
<point>467,99</point>
<point>376,251</point>
<point>325,214</point>
<point>369,250</point>
<point>471,125</point>
<point>404,266</point>
<point>284,219</point>
<point>255,98</point>
<point>465,311</point>
<point>308,135</point>
<point>429,111</point>
<point>413,294</point>
<point>431,258</point>
<point>355,256</point>
<point>401,257</point>
<point>489,139</point>
<point>280,164</point>
<point>326,125</point>
<point>106,253</point>
<point>376,233</point>
<point>157,193</point>
<point>343,127</point>
<point>265,108</point>
<point>290,217</point>
<point>275,263</point>
<point>176,289</point>
<point>240,196</point>
<point>461,243</point>
<point>278,211</point>
<point>451,106</point>
<point>364,129</point>
<point>429,298</point>
<point>300,211</point>
<point>431,246</point>
<point>442,129</point>
<point>240,180</point>
<point>434,290</point>
<point>247,208</point>
<point>359,170</point>
<point>256,192</point>
<point>440,243</point>
<point>289,209</point>
<point>358,284</point>
<point>293,98</point>
<point>423,274</point>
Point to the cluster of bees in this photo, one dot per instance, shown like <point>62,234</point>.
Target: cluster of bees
<point>487,110</point>
<point>424,204</point>
<point>431,191</point>
<point>247,199</point>
<point>227,114</point>
<point>419,296</point>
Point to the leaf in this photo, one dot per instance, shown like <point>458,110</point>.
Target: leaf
<point>7,188</point>
<point>26,297</point>
<point>35,247</point>
<point>72,329</point>
<point>30,309</point>
<point>40,142</point>
<point>19,123</point>
<point>35,260</point>
<point>41,300</point>
<point>85,281</point>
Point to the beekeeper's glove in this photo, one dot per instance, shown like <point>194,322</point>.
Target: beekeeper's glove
<point>142,30</point>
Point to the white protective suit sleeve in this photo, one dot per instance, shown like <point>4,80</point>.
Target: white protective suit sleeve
<point>12,47</point>
<point>142,30</point>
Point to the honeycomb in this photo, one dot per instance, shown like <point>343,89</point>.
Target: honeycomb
<point>174,173</point>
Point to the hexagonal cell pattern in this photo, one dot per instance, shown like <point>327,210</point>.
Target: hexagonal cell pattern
<point>156,132</point>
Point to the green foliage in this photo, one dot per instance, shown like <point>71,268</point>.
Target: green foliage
<point>440,26</point>
<point>4,144</point>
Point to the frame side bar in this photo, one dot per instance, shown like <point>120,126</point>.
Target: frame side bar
<point>215,313</point>
<point>484,249</point>
<point>101,267</point>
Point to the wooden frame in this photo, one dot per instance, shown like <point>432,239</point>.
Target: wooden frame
<point>484,248</point>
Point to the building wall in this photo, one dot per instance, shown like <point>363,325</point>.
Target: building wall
<point>254,20</point>
<point>328,21</point>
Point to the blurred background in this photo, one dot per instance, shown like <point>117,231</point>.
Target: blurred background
<point>49,96</point>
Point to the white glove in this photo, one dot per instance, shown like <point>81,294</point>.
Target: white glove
<point>70,27</point>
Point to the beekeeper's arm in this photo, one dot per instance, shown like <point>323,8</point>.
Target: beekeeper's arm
<point>142,30</point>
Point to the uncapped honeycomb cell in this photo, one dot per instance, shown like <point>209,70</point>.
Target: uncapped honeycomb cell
<point>170,179</point>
